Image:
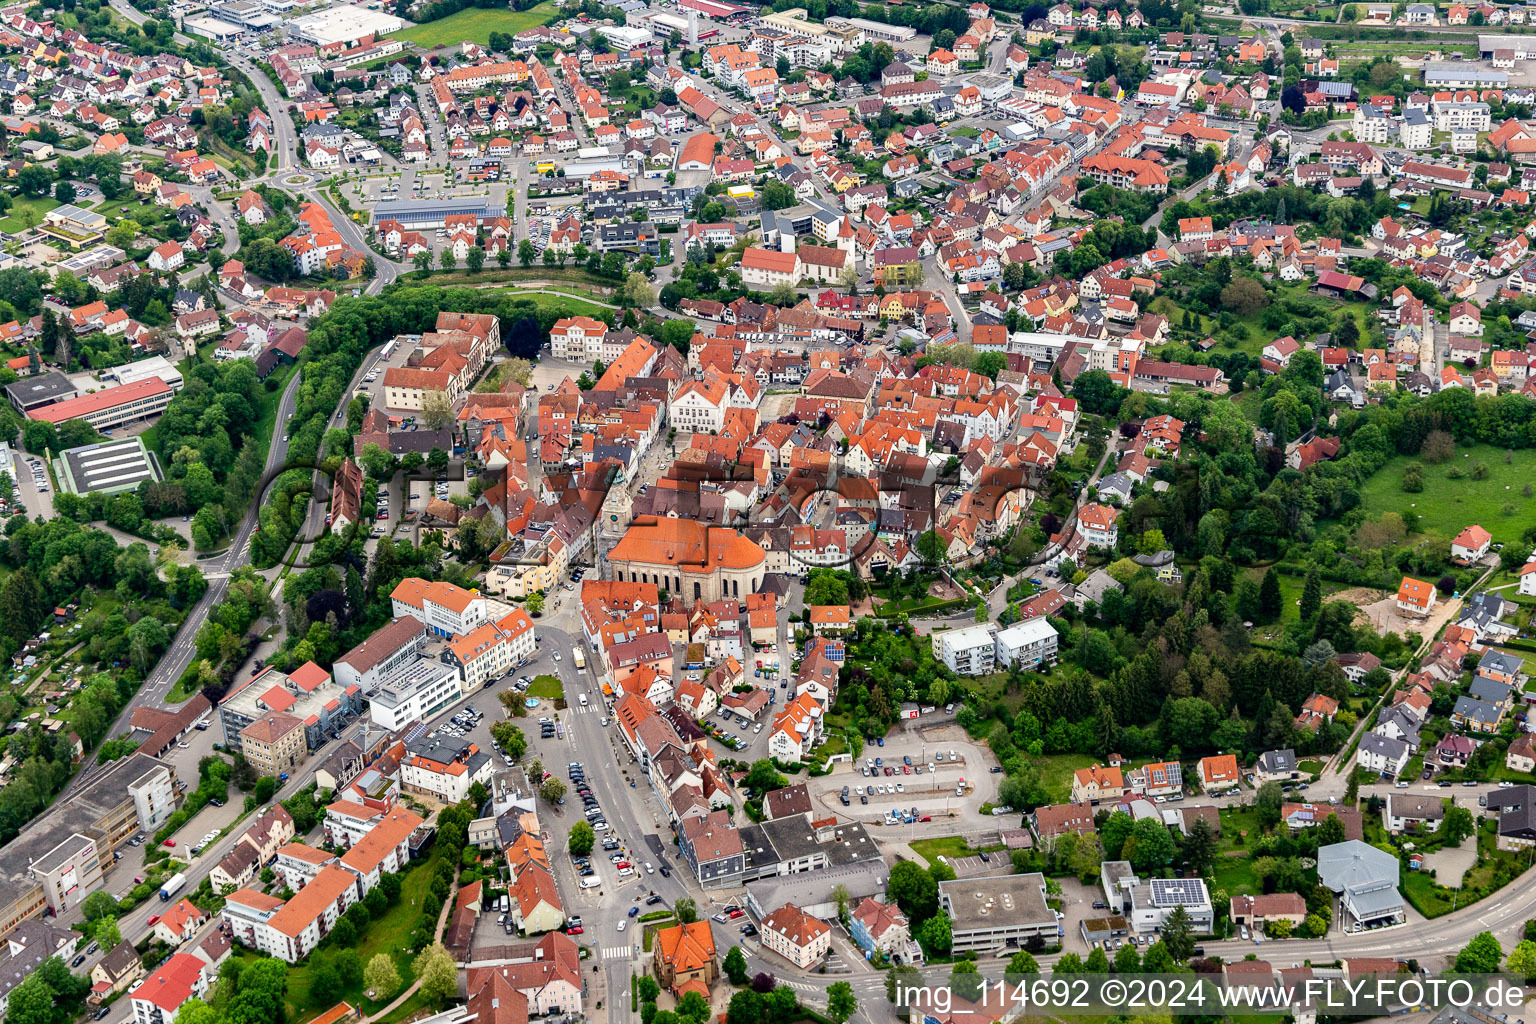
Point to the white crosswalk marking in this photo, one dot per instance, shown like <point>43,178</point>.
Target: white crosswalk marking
<point>617,952</point>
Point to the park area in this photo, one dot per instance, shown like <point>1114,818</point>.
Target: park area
<point>474,24</point>
<point>1477,484</point>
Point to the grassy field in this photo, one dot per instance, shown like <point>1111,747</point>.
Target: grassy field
<point>1447,506</point>
<point>475,25</point>
<point>39,204</point>
<point>944,846</point>
<point>1056,773</point>
<point>546,687</point>
<point>389,934</point>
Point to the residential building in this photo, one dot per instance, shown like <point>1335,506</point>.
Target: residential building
<point>1365,879</point>
<point>1031,644</point>
<point>967,651</point>
<point>796,936</point>
<point>683,958</point>
<point>161,996</point>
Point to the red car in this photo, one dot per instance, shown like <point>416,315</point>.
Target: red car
<point>169,842</point>
<point>153,918</point>
<point>574,929</point>
<point>621,865</point>
<point>926,817</point>
<point>736,913</point>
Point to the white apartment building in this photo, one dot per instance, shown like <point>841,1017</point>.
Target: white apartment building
<point>383,655</point>
<point>415,693</point>
<point>577,338</point>
<point>445,609</point>
<point>968,651</point>
<point>1030,643</point>
<point>154,796</point>
<point>1472,116</point>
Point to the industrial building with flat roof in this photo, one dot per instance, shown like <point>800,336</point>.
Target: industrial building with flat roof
<point>143,369</point>
<point>47,866</point>
<point>347,24</point>
<point>415,214</point>
<point>108,467</point>
<point>110,407</point>
<point>40,390</point>
<point>997,913</point>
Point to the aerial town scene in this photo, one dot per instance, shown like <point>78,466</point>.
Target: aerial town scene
<point>677,512</point>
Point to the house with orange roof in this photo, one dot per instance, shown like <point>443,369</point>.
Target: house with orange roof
<point>443,768</point>
<point>830,619</point>
<point>1094,783</point>
<point>1470,545</point>
<point>1219,772</point>
<point>1415,597</point>
<point>159,997</point>
<point>1097,523</point>
<point>683,958</point>
<point>179,924</point>
<point>796,729</point>
<point>796,936</point>
<point>444,608</point>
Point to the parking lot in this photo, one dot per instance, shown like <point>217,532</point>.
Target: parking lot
<point>33,491</point>
<point>882,780</point>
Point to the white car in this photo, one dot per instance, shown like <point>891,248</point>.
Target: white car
<point>622,925</point>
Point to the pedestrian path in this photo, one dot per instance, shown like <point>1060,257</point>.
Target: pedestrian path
<point>617,952</point>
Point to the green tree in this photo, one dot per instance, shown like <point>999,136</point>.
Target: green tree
<point>1457,825</point>
<point>1311,594</point>
<point>1179,935</point>
<point>1269,594</point>
<point>914,890</point>
<point>841,1002</point>
<point>435,970</point>
<point>525,253</point>
<point>107,933</point>
<point>965,981</point>
<point>936,934</point>
<point>735,966</point>
<point>1154,845</point>
<point>685,910</point>
<point>1200,847</point>
<point>1022,963</point>
<point>1330,831</point>
<point>581,839</point>
<point>1522,961</point>
<point>1480,956</point>
<point>900,983</point>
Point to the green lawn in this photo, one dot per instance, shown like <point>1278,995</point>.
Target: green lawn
<point>1056,773</point>
<point>945,846</point>
<point>1447,506</point>
<point>39,204</point>
<point>474,25</point>
<point>389,934</point>
<point>547,687</point>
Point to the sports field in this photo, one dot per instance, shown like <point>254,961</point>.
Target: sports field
<point>475,25</point>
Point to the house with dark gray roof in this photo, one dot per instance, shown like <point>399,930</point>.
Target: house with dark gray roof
<point>1276,764</point>
<point>1516,810</point>
<point>1476,715</point>
<point>1383,754</point>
